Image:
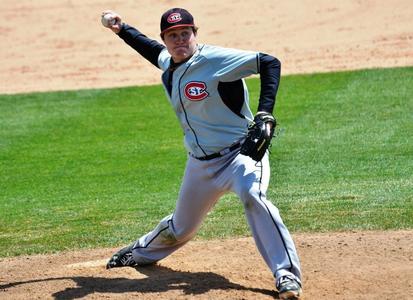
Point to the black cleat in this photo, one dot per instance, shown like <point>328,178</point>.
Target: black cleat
<point>288,288</point>
<point>122,258</point>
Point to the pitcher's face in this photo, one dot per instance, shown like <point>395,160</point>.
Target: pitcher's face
<point>181,43</point>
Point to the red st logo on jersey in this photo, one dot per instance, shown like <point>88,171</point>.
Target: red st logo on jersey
<point>196,91</point>
<point>174,17</point>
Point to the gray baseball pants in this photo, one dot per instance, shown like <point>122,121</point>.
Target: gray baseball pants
<point>203,184</point>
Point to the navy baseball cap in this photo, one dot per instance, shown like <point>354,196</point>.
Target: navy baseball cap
<point>175,18</point>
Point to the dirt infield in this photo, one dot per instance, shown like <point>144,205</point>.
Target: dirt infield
<point>352,265</point>
<point>60,45</point>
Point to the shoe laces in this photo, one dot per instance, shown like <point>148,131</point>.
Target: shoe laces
<point>127,259</point>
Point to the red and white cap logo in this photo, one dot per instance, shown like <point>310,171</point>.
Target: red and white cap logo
<point>174,18</point>
<point>196,91</point>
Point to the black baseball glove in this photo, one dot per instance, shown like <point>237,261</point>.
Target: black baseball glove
<point>259,136</point>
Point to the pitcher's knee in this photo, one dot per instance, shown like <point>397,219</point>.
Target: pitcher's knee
<point>171,234</point>
<point>167,236</point>
<point>249,197</point>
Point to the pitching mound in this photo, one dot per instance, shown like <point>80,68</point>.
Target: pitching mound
<point>357,265</point>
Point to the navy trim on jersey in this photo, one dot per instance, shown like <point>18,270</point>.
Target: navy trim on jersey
<point>270,73</point>
<point>275,223</point>
<point>232,94</point>
<point>168,74</point>
<point>148,48</point>
<point>183,107</point>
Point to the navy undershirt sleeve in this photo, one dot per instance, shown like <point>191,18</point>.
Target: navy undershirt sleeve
<point>148,48</point>
<point>270,72</point>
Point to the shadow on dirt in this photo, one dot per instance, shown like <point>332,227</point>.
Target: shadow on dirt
<point>160,279</point>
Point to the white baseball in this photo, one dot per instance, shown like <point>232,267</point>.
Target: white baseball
<point>108,20</point>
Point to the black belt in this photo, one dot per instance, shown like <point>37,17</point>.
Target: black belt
<point>220,153</point>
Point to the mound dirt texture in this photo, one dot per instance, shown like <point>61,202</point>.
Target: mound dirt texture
<point>351,265</point>
<point>50,45</point>
<point>60,44</point>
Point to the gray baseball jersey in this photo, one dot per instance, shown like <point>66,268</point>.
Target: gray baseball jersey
<point>208,123</point>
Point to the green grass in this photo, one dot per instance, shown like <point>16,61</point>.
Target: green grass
<point>94,168</point>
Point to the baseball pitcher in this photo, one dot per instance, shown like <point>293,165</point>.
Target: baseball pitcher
<point>227,145</point>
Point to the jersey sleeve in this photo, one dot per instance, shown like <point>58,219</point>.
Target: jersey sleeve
<point>233,64</point>
<point>148,48</point>
<point>270,74</point>
<point>229,65</point>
